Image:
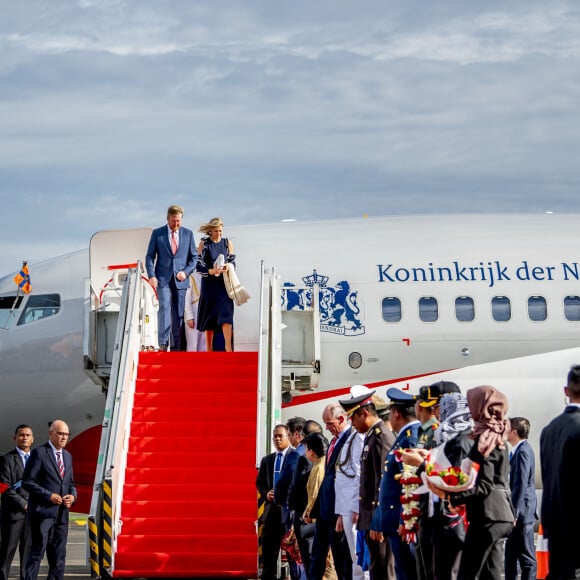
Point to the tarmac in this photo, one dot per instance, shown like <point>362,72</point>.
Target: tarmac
<point>77,567</point>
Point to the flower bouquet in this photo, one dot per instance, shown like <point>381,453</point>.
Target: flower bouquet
<point>447,477</point>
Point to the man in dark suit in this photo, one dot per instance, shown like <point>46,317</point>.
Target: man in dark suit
<point>519,546</point>
<point>325,537</point>
<point>48,478</point>
<point>14,531</point>
<point>387,517</point>
<point>271,522</point>
<point>378,441</point>
<point>170,259</point>
<point>560,512</point>
<point>281,489</point>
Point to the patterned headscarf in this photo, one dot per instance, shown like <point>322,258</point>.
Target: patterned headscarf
<point>455,417</point>
<point>488,408</point>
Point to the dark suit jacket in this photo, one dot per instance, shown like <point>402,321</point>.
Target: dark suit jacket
<point>265,478</point>
<point>297,493</point>
<point>160,261</point>
<point>489,500</point>
<point>387,517</point>
<point>41,479</point>
<point>285,479</point>
<point>522,483</point>
<point>559,458</point>
<point>324,504</point>
<point>13,501</point>
<point>273,514</point>
<point>378,442</point>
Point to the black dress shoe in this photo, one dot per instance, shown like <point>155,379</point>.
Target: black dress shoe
<point>162,347</point>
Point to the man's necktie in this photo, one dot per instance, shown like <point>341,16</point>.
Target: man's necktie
<point>59,463</point>
<point>26,457</point>
<point>277,467</point>
<point>331,448</point>
<point>173,242</point>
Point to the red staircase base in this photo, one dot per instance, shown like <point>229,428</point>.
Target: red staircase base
<point>189,501</point>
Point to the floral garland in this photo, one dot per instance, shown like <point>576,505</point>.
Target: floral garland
<point>410,511</point>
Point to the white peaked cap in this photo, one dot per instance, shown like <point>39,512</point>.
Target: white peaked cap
<point>359,390</point>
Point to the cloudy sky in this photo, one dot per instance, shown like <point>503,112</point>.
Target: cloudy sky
<point>111,110</point>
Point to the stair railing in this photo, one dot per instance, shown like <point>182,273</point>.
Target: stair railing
<point>134,325</point>
<point>269,361</point>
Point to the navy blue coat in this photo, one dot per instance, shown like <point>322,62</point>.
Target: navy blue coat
<point>160,261</point>
<point>324,504</point>
<point>522,483</point>
<point>387,516</point>
<point>41,479</point>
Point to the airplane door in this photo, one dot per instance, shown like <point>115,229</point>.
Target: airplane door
<point>300,339</point>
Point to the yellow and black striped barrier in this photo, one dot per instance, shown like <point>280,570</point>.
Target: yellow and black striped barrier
<point>94,548</point>
<point>107,527</point>
<point>261,507</point>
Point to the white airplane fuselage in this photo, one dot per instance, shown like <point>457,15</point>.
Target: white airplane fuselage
<point>377,277</point>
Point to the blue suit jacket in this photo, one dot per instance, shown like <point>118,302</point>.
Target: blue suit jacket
<point>41,479</point>
<point>286,473</point>
<point>324,504</point>
<point>160,261</point>
<point>387,516</point>
<point>522,484</point>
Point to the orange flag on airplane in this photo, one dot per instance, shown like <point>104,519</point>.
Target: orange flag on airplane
<point>22,279</point>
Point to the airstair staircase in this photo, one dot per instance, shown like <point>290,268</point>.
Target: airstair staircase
<point>189,500</point>
<point>182,435</point>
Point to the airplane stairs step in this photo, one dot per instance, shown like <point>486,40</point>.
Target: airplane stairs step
<point>189,501</point>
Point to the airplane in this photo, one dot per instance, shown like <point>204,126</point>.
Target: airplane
<point>387,301</point>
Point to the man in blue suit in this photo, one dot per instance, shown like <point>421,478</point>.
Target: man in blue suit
<point>48,478</point>
<point>387,519</point>
<point>519,546</point>
<point>325,536</point>
<point>170,259</point>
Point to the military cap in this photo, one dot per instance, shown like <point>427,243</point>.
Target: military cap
<point>360,396</point>
<point>431,395</point>
<point>399,397</point>
<point>383,410</point>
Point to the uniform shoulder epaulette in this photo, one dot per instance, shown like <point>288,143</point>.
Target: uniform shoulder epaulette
<point>377,430</point>
<point>435,426</point>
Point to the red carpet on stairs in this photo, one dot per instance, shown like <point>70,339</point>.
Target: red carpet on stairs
<point>189,503</point>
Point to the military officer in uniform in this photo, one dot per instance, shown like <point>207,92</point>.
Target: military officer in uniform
<point>427,412</point>
<point>377,443</point>
<point>387,519</point>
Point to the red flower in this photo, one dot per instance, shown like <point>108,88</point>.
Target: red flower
<point>451,479</point>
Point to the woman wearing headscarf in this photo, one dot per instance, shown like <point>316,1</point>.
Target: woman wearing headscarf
<point>216,308</point>
<point>453,437</point>
<point>489,510</point>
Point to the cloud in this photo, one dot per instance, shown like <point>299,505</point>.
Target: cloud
<point>110,110</point>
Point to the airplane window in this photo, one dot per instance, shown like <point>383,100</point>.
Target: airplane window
<point>428,309</point>
<point>40,306</point>
<point>391,309</point>
<point>464,309</point>
<point>501,308</point>
<point>572,308</point>
<point>537,308</point>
